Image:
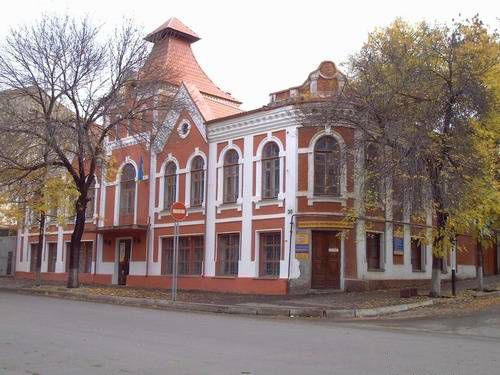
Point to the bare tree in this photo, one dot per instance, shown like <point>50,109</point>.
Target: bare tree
<point>82,86</point>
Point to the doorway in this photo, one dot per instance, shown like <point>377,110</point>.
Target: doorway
<point>326,260</point>
<point>124,250</point>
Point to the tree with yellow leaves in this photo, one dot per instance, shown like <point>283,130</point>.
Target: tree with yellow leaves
<point>418,92</point>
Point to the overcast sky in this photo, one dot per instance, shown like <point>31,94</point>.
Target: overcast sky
<point>251,48</point>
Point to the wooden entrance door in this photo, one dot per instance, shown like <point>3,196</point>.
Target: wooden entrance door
<point>124,247</point>
<point>325,260</point>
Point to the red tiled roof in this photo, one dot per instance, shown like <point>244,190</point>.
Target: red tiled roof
<point>173,24</point>
<point>210,107</point>
<point>173,52</point>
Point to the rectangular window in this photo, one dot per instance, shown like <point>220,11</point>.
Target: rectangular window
<point>170,191</point>
<point>228,254</point>
<point>167,255</point>
<point>190,261</point>
<point>85,261</point>
<point>270,178</point>
<point>231,183</point>
<point>270,254</point>
<point>127,197</point>
<point>33,250</point>
<point>51,265</point>
<point>416,254</point>
<point>373,251</point>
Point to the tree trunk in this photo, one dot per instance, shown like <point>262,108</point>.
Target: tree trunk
<point>75,244</point>
<point>479,266</point>
<point>441,220</point>
<point>436,277</point>
<point>39,250</point>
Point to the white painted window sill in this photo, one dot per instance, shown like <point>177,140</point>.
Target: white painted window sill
<point>268,202</point>
<point>326,199</point>
<point>228,206</point>
<point>197,209</point>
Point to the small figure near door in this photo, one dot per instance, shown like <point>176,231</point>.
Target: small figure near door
<point>123,261</point>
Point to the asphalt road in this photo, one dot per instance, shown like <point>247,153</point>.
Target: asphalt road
<point>40,335</point>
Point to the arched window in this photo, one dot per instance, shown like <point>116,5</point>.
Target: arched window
<point>170,185</point>
<point>270,171</point>
<point>197,182</point>
<point>327,167</point>
<point>127,190</point>
<point>89,211</point>
<point>231,177</point>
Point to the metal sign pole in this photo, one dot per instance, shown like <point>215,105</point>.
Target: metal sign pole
<point>175,261</point>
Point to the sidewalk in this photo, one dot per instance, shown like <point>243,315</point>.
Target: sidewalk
<point>333,305</point>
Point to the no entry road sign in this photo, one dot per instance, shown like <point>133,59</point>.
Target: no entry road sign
<point>178,211</point>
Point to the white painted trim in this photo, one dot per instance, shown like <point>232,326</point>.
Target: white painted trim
<point>161,176</point>
<point>211,196</point>
<point>229,220</point>
<point>220,175</point>
<point>291,176</point>
<point>268,216</point>
<point>258,168</point>
<point>181,224</point>
<point>187,190</point>
<point>116,217</point>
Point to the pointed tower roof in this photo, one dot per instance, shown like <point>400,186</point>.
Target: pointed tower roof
<point>175,27</point>
<point>172,53</point>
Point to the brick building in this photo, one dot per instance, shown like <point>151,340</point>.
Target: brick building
<point>267,200</point>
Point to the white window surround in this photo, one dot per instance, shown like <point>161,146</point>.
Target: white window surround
<point>220,180</point>
<point>311,198</point>
<point>116,218</point>
<point>180,129</point>
<point>257,199</point>
<point>161,175</point>
<point>187,190</point>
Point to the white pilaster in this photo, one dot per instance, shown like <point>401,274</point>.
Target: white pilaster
<point>60,264</point>
<point>210,216</point>
<point>246,267</point>
<point>291,155</point>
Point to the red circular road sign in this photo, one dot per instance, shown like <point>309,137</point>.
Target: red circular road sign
<point>178,211</point>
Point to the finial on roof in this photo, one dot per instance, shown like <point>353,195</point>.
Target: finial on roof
<point>173,27</point>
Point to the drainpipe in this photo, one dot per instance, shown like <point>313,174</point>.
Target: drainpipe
<point>290,249</point>
<point>147,246</point>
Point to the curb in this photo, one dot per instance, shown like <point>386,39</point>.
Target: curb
<point>295,312</point>
<point>476,294</point>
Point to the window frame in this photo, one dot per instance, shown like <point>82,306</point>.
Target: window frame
<point>270,165</point>
<point>328,168</point>
<point>263,260</point>
<point>380,267</point>
<point>231,172</point>
<point>197,176</point>
<point>222,265</point>
<point>51,258</point>
<point>130,187</point>
<point>170,181</point>
<point>193,253</point>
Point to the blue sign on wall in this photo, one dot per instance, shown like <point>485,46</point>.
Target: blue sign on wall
<point>398,245</point>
